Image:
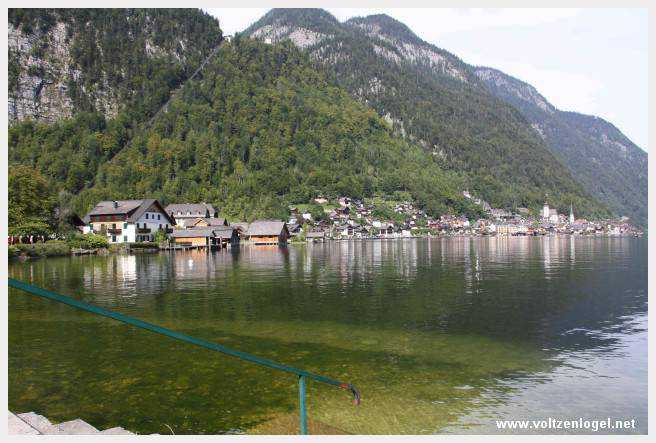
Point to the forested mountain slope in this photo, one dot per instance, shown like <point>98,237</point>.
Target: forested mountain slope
<point>83,82</point>
<point>263,129</point>
<point>259,129</point>
<point>435,99</point>
<point>611,167</point>
<point>262,126</point>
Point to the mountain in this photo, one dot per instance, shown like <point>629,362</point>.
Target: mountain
<point>83,83</point>
<point>605,161</point>
<point>62,61</point>
<point>256,129</point>
<point>433,98</point>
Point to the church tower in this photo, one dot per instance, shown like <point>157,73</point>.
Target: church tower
<point>545,208</point>
<point>571,214</point>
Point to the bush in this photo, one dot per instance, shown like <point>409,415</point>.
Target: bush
<point>52,248</point>
<point>88,241</point>
<point>13,251</point>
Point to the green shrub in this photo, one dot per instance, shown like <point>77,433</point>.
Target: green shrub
<point>13,251</point>
<point>88,241</point>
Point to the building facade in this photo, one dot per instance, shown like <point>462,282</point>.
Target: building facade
<point>186,214</point>
<point>128,221</point>
<point>268,232</point>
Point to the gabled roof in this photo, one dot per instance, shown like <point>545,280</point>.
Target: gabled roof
<point>211,221</point>
<point>194,209</point>
<point>133,209</point>
<point>192,233</point>
<point>266,227</point>
<point>217,231</point>
<point>224,231</point>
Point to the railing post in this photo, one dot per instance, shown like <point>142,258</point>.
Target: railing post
<point>301,404</point>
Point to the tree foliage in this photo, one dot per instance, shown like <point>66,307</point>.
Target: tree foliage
<point>31,203</point>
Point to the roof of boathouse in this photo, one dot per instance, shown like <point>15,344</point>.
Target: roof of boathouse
<point>266,227</point>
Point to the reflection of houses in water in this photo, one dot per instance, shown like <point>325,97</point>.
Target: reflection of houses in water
<point>128,275</point>
<point>193,264</point>
<point>572,252</point>
<point>368,258</point>
<point>126,266</point>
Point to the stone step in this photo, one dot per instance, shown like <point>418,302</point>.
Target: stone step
<point>16,426</point>
<point>31,423</point>
<point>75,427</point>
<point>38,422</point>
<point>117,431</point>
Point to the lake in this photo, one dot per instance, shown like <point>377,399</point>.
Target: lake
<point>442,335</point>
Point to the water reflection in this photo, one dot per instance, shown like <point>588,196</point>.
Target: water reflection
<point>445,326</point>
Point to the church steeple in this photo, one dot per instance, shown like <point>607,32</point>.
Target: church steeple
<point>545,208</point>
<point>571,213</point>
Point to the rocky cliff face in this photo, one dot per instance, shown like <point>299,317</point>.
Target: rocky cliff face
<point>42,67</point>
<point>406,47</point>
<point>64,61</point>
<point>605,161</point>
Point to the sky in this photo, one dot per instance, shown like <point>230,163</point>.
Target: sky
<point>592,61</point>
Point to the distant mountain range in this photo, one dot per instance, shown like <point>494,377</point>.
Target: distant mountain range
<point>453,110</point>
<point>363,107</point>
<point>600,157</point>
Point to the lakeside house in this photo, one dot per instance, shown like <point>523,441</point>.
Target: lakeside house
<point>198,238</point>
<point>268,232</point>
<point>128,221</point>
<point>212,237</point>
<point>186,214</point>
<point>227,235</point>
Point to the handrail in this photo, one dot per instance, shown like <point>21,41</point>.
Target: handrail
<point>302,375</point>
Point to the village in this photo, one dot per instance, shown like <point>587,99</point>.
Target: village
<point>147,223</point>
<point>199,225</point>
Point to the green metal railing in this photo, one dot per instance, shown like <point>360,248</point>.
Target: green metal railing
<point>302,375</point>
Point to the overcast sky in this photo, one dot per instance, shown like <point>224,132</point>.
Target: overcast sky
<point>592,61</point>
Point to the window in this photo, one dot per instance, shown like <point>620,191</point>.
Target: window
<point>160,226</point>
<point>125,225</point>
<point>158,215</point>
<point>146,216</point>
<point>125,238</point>
<point>113,239</point>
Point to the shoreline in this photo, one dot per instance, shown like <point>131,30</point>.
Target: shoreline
<point>41,250</point>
